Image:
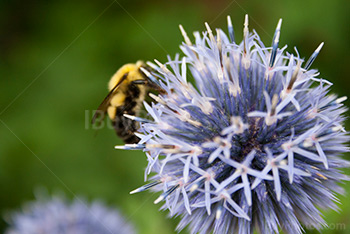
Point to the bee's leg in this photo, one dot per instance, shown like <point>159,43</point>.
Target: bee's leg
<point>140,82</point>
<point>149,84</point>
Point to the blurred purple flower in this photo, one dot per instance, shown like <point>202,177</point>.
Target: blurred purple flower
<point>58,216</point>
<point>253,143</point>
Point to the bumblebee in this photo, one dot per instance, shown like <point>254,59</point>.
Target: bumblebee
<point>127,90</point>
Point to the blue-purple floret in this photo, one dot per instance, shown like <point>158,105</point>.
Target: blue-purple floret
<point>58,216</point>
<point>254,142</point>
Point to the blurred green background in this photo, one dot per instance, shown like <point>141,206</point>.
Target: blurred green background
<point>57,56</point>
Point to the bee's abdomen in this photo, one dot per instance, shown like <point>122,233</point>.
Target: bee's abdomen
<point>125,127</point>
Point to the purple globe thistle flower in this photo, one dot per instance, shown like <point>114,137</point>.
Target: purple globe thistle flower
<point>57,216</point>
<point>255,142</point>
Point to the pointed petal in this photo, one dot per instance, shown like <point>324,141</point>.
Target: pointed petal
<point>308,154</point>
<point>291,166</point>
<point>322,154</point>
<point>257,114</point>
<point>277,182</point>
<point>187,169</point>
<point>214,155</point>
<point>207,196</point>
<point>226,182</point>
<point>247,191</point>
<point>186,201</point>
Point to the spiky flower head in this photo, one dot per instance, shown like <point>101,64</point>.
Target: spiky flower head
<point>255,141</point>
<point>58,216</point>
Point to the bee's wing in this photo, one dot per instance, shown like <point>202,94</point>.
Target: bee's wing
<point>102,108</point>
